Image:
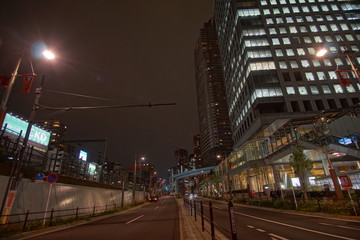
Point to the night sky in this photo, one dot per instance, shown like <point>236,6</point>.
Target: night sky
<point>124,53</point>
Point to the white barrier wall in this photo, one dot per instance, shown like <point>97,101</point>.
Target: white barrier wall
<point>33,196</point>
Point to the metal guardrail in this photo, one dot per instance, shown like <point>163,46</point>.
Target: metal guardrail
<point>48,218</point>
<point>197,208</point>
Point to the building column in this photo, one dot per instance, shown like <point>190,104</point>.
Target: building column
<point>276,177</point>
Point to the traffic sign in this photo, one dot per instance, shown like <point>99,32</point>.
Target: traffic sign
<point>52,178</point>
<point>345,182</point>
<point>40,176</point>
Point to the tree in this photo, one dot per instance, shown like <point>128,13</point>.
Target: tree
<point>301,165</point>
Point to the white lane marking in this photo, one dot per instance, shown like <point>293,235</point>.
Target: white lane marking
<point>260,230</point>
<point>277,236</point>
<point>134,219</point>
<point>249,226</point>
<point>157,207</point>
<point>356,229</point>
<point>292,226</point>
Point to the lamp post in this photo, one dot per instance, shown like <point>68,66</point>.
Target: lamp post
<point>134,185</point>
<point>15,174</point>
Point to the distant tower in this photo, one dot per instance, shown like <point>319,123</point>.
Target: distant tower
<point>182,159</point>
<point>197,152</point>
<point>57,129</point>
<point>215,134</point>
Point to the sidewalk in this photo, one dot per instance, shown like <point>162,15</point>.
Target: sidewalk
<point>191,230</point>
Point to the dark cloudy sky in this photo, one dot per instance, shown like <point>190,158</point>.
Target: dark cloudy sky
<point>132,52</point>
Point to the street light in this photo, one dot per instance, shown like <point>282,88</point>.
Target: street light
<point>134,185</point>
<point>322,51</point>
<point>15,174</point>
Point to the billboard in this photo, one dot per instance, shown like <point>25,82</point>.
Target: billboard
<point>92,169</point>
<point>83,155</point>
<point>16,125</point>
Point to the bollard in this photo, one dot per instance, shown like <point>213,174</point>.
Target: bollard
<point>211,221</point>
<point>195,210</point>
<point>202,216</point>
<point>190,209</point>
<point>25,221</point>
<point>77,213</point>
<point>232,221</point>
<point>51,217</point>
<point>94,211</point>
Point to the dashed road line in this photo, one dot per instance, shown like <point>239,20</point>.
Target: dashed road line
<point>327,224</point>
<point>277,237</point>
<point>260,230</point>
<point>249,226</point>
<point>134,219</point>
<point>292,226</point>
<point>157,207</point>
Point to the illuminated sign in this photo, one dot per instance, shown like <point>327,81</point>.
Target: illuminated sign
<point>16,125</point>
<point>83,155</point>
<point>92,169</point>
<point>345,141</point>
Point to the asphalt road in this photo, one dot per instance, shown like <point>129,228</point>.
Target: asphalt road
<point>256,223</point>
<point>152,221</point>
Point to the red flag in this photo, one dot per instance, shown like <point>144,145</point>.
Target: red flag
<point>27,82</point>
<point>5,80</point>
<point>343,77</point>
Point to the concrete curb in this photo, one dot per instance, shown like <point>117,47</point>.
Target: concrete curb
<point>191,229</point>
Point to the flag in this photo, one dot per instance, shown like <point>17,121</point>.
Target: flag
<point>5,80</point>
<point>343,77</point>
<point>27,82</point>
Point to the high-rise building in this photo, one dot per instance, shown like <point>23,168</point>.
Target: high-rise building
<point>57,129</point>
<point>269,57</point>
<point>197,152</point>
<point>182,159</point>
<point>215,134</point>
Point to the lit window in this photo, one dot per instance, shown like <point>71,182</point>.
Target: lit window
<point>282,65</point>
<point>289,20</point>
<point>295,9</point>
<point>350,88</point>
<point>279,53</point>
<point>316,62</point>
<point>276,11</point>
<point>327,62</point>
<point>282,30</point>
<point>309,76</point>
<point>338,62</point>
<point>290,90</point>
<point>307,40</point>
<point>309,18</point>
<point>339,17</point>
<point>303,29</point>
<point>269,21</point>
<point>272,31</point>
<point>314,90</point>
<point>354,48</point>
<point>334,7</point>
<point>323,28</point>
<point>334,27</point>
<point>329,18</point>
<point>300,51</point>
<point>305,63</point>
<point>275,41</point>
<point>317,39</point>
<point>279,20</point>
<point>290,52</point>
<point>315,8</point>
<point>328,38</point>
<point>305,9</point>
<point>326,89</point>
<point>332,75</point>
<point>286,10</point>
<point>286,40</point>
<point>299,19</point>
<point>311,50</point>
<point>319,18</point>
<point>349,37</point>
<point>344,27</point>
<point>321,75</point>
<point>325,8</point>
<point>266,11</point>
<point>338,88</point>
<point>293,29</point>
<point>294,64</point>
<point>313,28</point>
<point>302,90</point>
